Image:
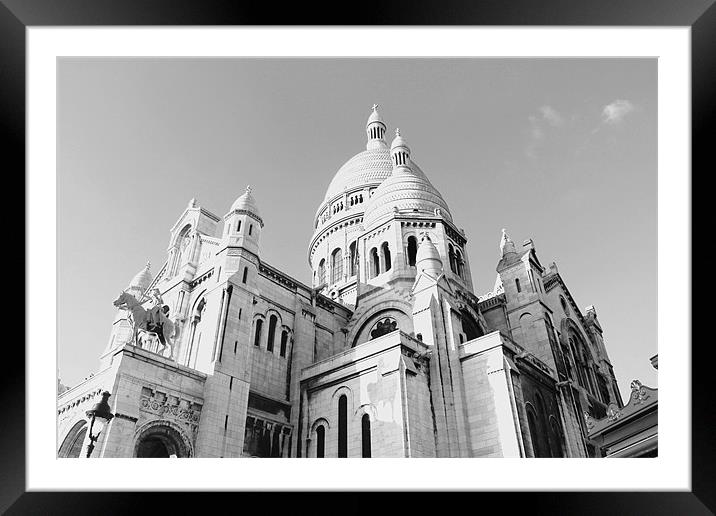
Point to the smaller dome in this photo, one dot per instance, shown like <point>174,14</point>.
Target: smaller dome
<point>141,281</point>
<point>427,258</point>
<point>405,192</point>
<point>246,202</point>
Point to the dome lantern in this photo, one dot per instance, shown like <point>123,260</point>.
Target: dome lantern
<point>400,152</point>
<point>375,129</point>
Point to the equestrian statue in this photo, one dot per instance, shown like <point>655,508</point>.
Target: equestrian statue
<point>149,325</point>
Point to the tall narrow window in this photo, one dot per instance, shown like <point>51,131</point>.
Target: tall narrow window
<point>251,227</point>
<point>352,257</point>
<point>365,428</point>
<point>374,263</point>
<point>412,250</point>
<point>257,334</point>
<point>343,426</point>
<point>386,255</point>
<point>284,343</point>
<point>459,263</point>
<point>272,332</point>
<point>336,266</point>
<point>534,434</point>
<point>320,441</point>
<point>451,256</point>
<point>238,227</point>
<point>322,272</point>
<point>246,274</point>
<point>517,284</point>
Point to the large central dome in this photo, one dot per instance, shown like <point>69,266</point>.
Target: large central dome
<point>367,168</point>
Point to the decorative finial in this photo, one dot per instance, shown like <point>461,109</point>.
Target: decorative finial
<point>192,202</point>
<point>149,264</point>
<point>375,107</point>
<point>248,189</point>
<point>506,243</point>
<point>397,131</point>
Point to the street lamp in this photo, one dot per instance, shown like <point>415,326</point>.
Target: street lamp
<point>99,415</point>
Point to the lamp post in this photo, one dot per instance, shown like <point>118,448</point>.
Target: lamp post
<point>99,415</point>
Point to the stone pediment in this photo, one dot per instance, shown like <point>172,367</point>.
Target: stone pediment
<point>641,399</point>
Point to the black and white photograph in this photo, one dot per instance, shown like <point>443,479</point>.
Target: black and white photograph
<point>280,268</point>
<point>310,245</point>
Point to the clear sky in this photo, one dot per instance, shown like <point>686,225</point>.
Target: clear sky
<point>563,151</point>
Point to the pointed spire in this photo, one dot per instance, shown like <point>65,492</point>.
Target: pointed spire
<point>506,244</point>
<point>375,129</point>
<point>427,258</point>
<point>400,152</point>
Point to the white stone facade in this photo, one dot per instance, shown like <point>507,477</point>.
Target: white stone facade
<point>389,353</point>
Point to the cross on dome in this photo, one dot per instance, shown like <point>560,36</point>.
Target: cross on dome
<point>375,107</point>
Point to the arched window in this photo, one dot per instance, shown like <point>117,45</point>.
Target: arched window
<point>246,274</point>
<point>564,305</point>
<point>343,426</point>
<point>365,435</point>
<point>352,259</point>
<point>336,266</point>
<point>543,428</point>
<point>534,433</point>
<point>383,327</point>
<point>320,441</point>
<point>412,250</point>
<point>451,256</point>
<point>284,343</point>
<point>556,435</point>
<point>459,263</point>
<point>272,332</point>
<point>257,332</point>
<point>386,255</point>
<point>517,284</point>
<point>322,272</point>
<point>374,263</point>
<point>578,364</point>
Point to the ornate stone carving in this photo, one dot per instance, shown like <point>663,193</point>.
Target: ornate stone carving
<point>171,407</point>
<point>638,392</point>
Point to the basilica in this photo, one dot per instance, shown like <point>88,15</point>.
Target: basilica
<point>388,353</point>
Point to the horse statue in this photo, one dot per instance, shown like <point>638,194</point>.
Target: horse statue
<point>151,325</point>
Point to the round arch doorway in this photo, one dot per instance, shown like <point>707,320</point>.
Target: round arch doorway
<point>162,439</point>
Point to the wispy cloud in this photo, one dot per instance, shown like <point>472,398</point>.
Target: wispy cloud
<point>546,116</point>
<point>551,116</point>
<point>614,112</point>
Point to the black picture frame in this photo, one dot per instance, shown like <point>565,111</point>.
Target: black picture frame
<point>17,15</point>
